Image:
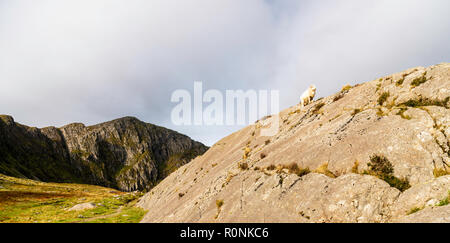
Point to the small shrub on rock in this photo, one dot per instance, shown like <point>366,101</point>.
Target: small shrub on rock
<point>355,168</point>
<point>271,167</point>
<point>318,107</point>
<point>346,88</point>
<point>243,166</point>
<point>420,80</point>
<point>295,169</point>
<point>382,168</point>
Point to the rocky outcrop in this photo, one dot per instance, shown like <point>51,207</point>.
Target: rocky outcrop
<point>426,195</point>
<point>82,206</point>
<point>246,177</point>
<point>125,153</point>
<point>428,215</point>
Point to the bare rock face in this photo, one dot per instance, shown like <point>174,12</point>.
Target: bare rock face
<point>421,196</point>
<point>246,177</point>
<point>428,215</point>
<point>282,198</point>
<point>125,153</point>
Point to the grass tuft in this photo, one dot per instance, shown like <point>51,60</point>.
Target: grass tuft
<point>400,82</point>
<point>338,96</point>
<point>356,111</point>
<point>318,107</point>
<point>355,168</point>
<point>271,167</point>
<point>420,80</point>
<point>414,210</point>
<point>440,172</point>
<point>346,88</point>
<point>444,201</point>
<point>295,169</point>
<point>219,204</point>
<point>383,98</point>
<point>427,102</point>
<point>402,115</point>
<point>247,151</point>
<point>323,169</point>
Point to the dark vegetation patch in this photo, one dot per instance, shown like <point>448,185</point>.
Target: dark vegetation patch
<point>379,83</point>
<point>271,167</point>
<point>400,81</point>
<point>243,166</point>
<point>293,168</point>
<point>356,111</point>
<point>419,80</point>
<point>338,96</point>
<point>317,108</point>
<point>383,98</point>
<point>262,155</point>
<point>427,102</point>
<point>382,168</point>
<point>380,112</point>
<point>401,112</point>
<point>414,210</point>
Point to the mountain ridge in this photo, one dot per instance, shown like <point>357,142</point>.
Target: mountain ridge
<point>124,153</point>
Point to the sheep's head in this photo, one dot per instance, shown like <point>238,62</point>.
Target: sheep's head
<point>313,88</point>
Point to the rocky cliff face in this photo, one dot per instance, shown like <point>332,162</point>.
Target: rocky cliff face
<point>125,153</point>
<point>375,152</point>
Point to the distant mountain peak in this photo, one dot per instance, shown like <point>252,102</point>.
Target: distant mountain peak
<point>125,153</point>
<point>7,119</point>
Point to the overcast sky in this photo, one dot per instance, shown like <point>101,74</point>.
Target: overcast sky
<point>93,61</point>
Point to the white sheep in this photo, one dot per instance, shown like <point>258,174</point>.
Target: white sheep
<point>308,95</point>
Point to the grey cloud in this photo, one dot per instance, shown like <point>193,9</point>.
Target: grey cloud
<point>92,61</point>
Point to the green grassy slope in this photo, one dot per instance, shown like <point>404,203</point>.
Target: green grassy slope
<point>28,201</point>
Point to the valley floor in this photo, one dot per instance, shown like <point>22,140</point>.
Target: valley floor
<point>28,201</point>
